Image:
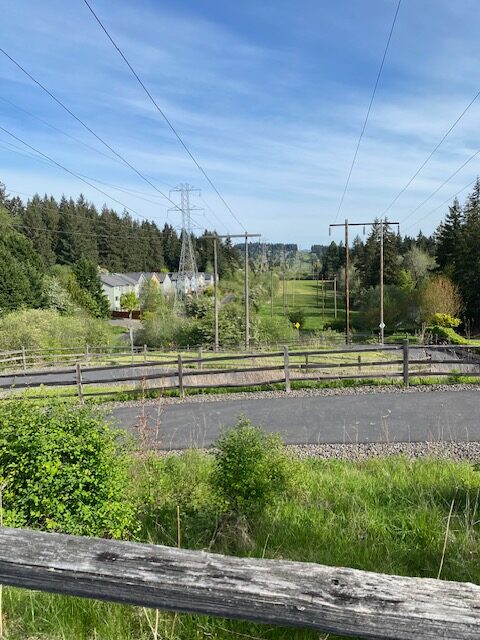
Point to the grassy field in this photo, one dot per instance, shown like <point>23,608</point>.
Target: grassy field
<point>317,302</point>
<point>387,515</point>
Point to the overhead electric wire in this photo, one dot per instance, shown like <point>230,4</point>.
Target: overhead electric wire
<point>427,159</point>
<point>49,163</point>
<point>472,182</point>
<point>441,186</point>
<point>72,173</point>
<point>162,113</point>
<point>32,156</point>
<point>368,110</point>
<point>89,129</point>
<point>87,146</point>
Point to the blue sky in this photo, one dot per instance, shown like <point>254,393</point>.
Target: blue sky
<point>270,97</point>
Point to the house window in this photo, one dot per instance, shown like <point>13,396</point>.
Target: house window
<point>116,298</point>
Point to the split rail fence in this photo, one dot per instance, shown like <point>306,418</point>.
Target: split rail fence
<point>285,367</point>
<point>277,592</point>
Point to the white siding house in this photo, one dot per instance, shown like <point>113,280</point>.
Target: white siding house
<point>114,285</point>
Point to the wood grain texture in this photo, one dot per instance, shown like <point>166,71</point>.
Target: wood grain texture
<point>335,600</point>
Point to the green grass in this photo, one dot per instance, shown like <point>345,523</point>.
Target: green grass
<point>302,294</point>
<point>386,515</point>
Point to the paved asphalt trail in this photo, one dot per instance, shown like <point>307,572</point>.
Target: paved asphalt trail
<point>362,418</point>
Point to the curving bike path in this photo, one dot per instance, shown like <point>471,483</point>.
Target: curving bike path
<point>360,418</point>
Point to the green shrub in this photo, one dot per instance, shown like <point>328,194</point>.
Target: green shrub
<point>250,469</point>
<point>447,333</point>
<point>47,329</point>
<point>446,320</point>
<point>297,316</point>
<point>276,329</point>
<point>63,470</point>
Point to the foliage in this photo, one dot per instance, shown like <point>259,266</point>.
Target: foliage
<point>47,329</point>
<point>129,301</point>
<point>63,470</point>
<point>86,273</point>
<point>440,295</point>
<point>250,469</point>
<point>56,297</point>
<point>21,269</point>
<point>297,316</point>
<point>400,308</point>
<point>276,329</point>
<point>445,320</point>
<point>151,297</point>
<point>198,306</point>
<point>447,334</point>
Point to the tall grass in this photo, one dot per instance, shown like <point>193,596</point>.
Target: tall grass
<point>389,515</point>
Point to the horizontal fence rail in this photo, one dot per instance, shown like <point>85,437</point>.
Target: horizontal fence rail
<point>212,370</point>
<point>303,595</point>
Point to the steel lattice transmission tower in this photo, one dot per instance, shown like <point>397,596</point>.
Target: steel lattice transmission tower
<point>187,277</point>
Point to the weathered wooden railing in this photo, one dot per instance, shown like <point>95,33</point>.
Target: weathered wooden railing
<point>296,594</point>
<point>210,371</point>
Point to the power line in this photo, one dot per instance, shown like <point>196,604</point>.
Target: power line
<point>162,113</point>
<point>427,159</point>
<point>89,129</point>
<point>472,182</point>
<point>368,110</point>
<point>87,146</point>
<point>441,186</point>
<point>72,173</point>
<point>26,154</point>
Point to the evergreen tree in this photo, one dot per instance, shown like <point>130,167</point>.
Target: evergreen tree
<point>86,273</point>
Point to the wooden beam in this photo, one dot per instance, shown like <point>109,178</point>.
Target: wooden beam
<point>329,599</point>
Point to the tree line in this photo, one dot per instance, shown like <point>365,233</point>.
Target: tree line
<point>64,231</point>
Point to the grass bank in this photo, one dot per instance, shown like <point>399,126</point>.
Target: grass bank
<point>387,515</point>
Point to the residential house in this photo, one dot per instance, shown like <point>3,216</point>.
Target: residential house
<point>116,284</point>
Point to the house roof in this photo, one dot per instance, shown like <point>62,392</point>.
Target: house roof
<point>117,280</point>
<point>134,275</point>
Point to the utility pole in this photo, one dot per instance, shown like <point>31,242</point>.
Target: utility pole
<point>271,293</point>
<point>383,223</point>
<point>382,323</point>
<point>335,294</point>
<point>246,236</point>
<point>347,282</point>
<point>247,301</point>
<point>215,293</point>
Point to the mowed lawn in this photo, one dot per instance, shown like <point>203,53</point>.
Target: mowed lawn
<point>309,296</point>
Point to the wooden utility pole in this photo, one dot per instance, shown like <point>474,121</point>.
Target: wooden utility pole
<point>247,302</point>
<point>382,323</point>
<point>346,224</point>
<point>247,314</point>
<point>335,294</point>
<point>215,293</point>
<point>271,293</point>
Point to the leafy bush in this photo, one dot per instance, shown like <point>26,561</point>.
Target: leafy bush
<point>446,320</point>
<point>62,470</point>
<point>276,329</point>
<point>448,334</point>
<point>250,469</point>
<point>297,316</point>
<point>47,329</point>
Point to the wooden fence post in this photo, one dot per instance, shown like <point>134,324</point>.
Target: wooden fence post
<point>24,359</point>
<point>145,348</point>
<point>359,364</point>
<point>287,369</point>
<point>180,376</point>
<point>406,380</point>
<point>306,364</point>
<point>87,353</point>
<point>78,371</point>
